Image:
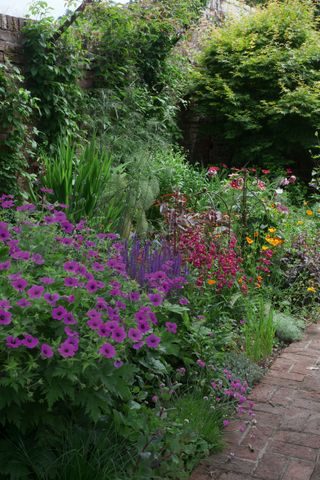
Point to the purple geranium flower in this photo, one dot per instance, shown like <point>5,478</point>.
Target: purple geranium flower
<point>51,298</point>
<point>66,349</point>
<point>134,334</point>
<point>59,313</point>
<point>118,364</point>
<point>71,266</point>
<point>35,291</point>
<point>92,286</point>
<point>94,323</point>
<point>29,341</point>
<point>37,259</point>
<point>138,346</point>
<point>5,317</point>
<point>118,334</point>
<point>71,282</point>
<point>103,330</point>
<point>5,265</point>
<point>13,342</point>
<point>171,327</point>
<point>107,350</point>
<point>155,298</point>
<point>23,302</point>
<point>69,319</point>
<point>19,284</point>
<point>153,341</point>
<point>144,326</point>
<point>46,351</point>
<point>4,303</point>
<point>47,280</point>
<point>183,301</point>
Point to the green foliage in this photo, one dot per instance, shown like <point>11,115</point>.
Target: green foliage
<point>16,108</point>
<point>258,85</point>
<point>244,368</point>
<point>288,327</point>
<point>78,179</point>
<point>259,329</point>
<point>55,69</point>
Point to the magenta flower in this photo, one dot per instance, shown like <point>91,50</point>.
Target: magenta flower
<point>70,333</point>
<point>226,423</point>
<point>51,298</point>
<point>201,363</point>
<point>153,341</point>
<point>46,190</point>
<point>118,334</point>
<point>155,298</point>
<point>26,207</point>
<point>5,304</point>
<point>13,342</point>
<point>118,364</point>
<point>134,296</point>
<point>97,267</point>
<point>23,302</point>
<point>134,334</point>
<point>138,346</point>
<point>66,349</point>
<point>171,327</point>
<point>37,259</point>
<point>59,313</point>
<point>153,318</point>
<point>183,301</point>
<point>71,282</point>
<point>94,314</point>
<point>19,284</point>
<point>5,265</point>
<point>103,330</point>
<point>144,326</point>
<point>35,291</point>
<point>94,323</point>
<point>5,317</point>
<point>107,350</point>
<point>92,286</point>
<point>71,266</point>
<point>46,351</point>
<point>47,280</point>
<point>29,341</point>
<point>69,319</point>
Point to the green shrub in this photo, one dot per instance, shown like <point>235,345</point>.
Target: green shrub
<point>258,85</point>
<point>288,327</point>
<point>242,367</point>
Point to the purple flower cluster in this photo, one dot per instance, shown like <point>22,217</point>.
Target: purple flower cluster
<point>77,278</point>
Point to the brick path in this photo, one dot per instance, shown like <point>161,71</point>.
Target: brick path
<point>283,441</point>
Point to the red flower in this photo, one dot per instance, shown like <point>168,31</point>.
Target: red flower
<point>265,172</point>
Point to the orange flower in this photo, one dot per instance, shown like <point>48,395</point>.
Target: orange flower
<point>249,240</point>
<point>211,281</point>
<point>272,230</point>
<point>256,234</point>
<point>309,212</point>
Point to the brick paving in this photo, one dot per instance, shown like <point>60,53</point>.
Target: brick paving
<point>282,442</point>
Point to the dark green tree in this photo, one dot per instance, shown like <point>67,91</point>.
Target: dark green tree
<point>258,86</point>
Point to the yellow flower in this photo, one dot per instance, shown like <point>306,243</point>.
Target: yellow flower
<point>309,212</point>
<point>300,222</point>
<point>274,241</point>
<point>272,230</point>
<point>264,248</point>
<point>211,282</point>
<point>311,289</point>
<point>249,240</point>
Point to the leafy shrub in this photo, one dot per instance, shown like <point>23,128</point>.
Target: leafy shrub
<point>288,328</point>
<point>71,321</point>
<point>16,108</point>
<point>242,367</point>
<point>258,85</point>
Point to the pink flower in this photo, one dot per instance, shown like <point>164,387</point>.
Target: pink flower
<point>29,341</point>
<point>201,363</point>
<point>134,334</point>
<point>171,327</point>
<point>265,172</point>
<point>5,317</point>
<point>66,349</point>
<point>212,171</point>
<point>261,185</point>
<point>46,351</point>
<point>13,342</point>
<point>107,350</point>
<point>226,423</point>
<point>152,341</point>
<point>118,335</point>
<point>118,364</point>
<point>35,291</point>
